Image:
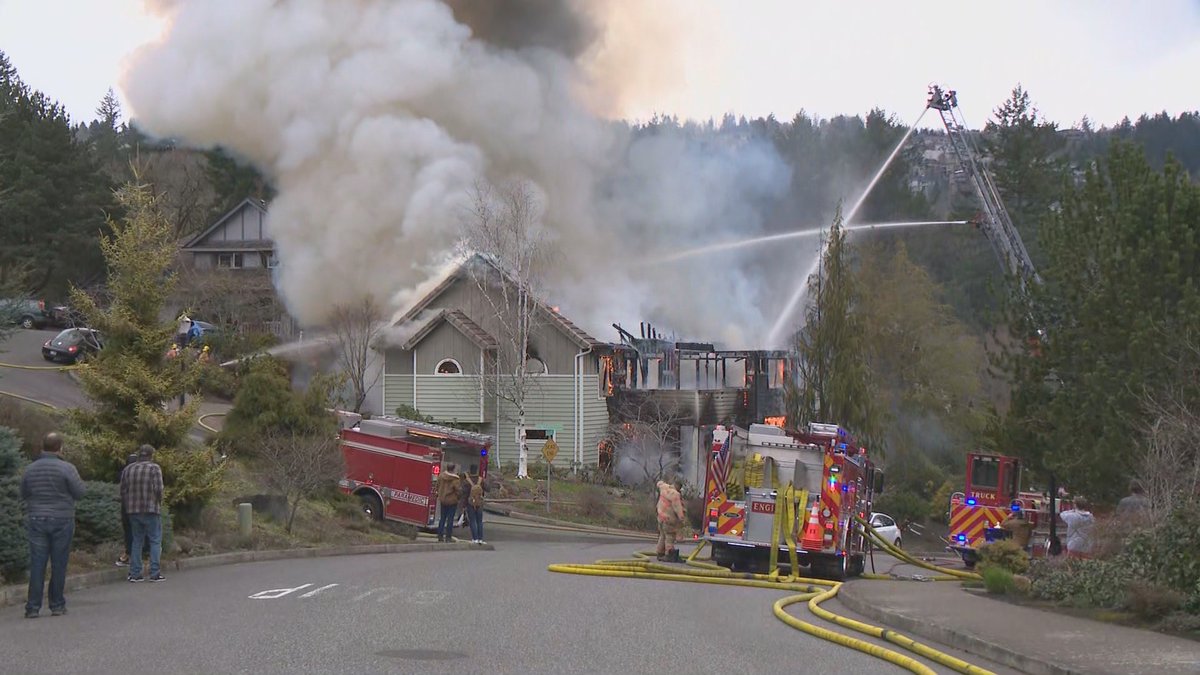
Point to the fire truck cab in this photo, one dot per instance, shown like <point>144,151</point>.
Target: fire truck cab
<point>992,492</point>
<point>825,462</point>
<point>392,465</point>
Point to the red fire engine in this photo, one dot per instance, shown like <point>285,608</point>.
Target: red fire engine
<point>993,491</point>
<point>824,460</point>
<point>393,464</point>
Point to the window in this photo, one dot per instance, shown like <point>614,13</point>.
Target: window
<point>535,366</point>
<point>229,261</point>
<point>448,367</point>
<point>539,434</point>
<point>985,473</point>
<point>881,520</point>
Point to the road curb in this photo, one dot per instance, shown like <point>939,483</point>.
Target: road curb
<point>946,635</point>
<point>566,524</point>
<point>17,593</point>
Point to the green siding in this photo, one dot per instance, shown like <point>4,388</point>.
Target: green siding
<point>445,342</point>
<point>448,398</point>
<point>550,405</point>
<point>397,391</point>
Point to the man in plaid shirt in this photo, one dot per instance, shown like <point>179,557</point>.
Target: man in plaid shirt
<point>141,494</point>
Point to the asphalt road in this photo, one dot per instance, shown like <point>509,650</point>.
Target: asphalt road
<point>447,612</point>
<point>24,348</point>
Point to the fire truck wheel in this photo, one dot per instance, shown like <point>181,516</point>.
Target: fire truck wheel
<point>372,508</point>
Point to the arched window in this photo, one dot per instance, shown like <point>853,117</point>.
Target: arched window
<point>535,366</point>
<point>448,367</point>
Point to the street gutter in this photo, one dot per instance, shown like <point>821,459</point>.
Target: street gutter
<point>16,593</point>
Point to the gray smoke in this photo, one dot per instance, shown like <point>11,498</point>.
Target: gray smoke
<point>377,120</point>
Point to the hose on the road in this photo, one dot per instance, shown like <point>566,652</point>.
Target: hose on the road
<point>59,368</point>
<point>211,430</point>
<point>812,591</point>
<point>27,399</point>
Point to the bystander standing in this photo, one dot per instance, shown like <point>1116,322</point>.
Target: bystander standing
<point>50,487</point>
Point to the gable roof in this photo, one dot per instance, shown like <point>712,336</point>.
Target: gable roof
<point>462,323</point>
<point>256,203</point>
<point>577,335</point>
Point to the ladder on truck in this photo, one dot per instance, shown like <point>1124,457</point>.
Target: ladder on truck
<point>995,222</point>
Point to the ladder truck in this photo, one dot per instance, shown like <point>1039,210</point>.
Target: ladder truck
<point>993,481</point>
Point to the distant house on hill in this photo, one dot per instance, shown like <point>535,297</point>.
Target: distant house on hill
<point>238,240</point>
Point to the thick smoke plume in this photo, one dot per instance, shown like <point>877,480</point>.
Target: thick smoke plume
<point>377,120</point>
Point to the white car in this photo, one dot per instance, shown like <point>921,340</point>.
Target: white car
<point>886,527</point>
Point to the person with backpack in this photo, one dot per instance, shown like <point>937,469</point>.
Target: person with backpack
<point>474,489</point>
<point>449,486</point>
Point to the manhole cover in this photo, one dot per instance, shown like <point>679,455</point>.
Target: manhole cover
<point>421,654</point>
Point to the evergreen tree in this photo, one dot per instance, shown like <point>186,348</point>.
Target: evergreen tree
<point>105,136</point>
<point>233,180</point>
<point>1122,291</point>
<point>54,196</point>
<point>832,382</point>
<point>133,381</point>
<point>14,549</point>
<point>1027,165</point>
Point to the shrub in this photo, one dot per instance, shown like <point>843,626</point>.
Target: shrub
<point>98,514</point>
<point>998,580</point>
<point>1090,583</point>
<point>643,515</point>
<point>14,551</point>
<point>1151,601</point>
<point>217,382</point>
<point>192,479</point>
<point>1169,555</point>
<point>902,505</point>
<point>939,503</point>
<point>594,502</point>
<point>1004,554</point>
<point>694,506</point>
<point>30,422</point>
<point>1181,622</point>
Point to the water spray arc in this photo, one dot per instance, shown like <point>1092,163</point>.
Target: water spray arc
<point>801,291</point>
<point>797,234</point>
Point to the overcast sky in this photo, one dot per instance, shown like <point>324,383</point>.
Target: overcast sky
<point>1104,59</point>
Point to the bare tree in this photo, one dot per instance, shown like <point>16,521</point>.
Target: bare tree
<point>180,184</point>
<point>1170,466</point>
<point>503,235</point>
<point>296,465</point>
<point>646,435</point>
<point>356,326</point>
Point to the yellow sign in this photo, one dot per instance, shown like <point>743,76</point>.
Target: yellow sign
<point>550,450</point>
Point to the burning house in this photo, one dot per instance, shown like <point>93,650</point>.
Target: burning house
<point>665,396</point>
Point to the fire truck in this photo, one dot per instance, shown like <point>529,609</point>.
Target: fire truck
<point>392,465</point>
<point>822,459</point>
<point>992,492</point>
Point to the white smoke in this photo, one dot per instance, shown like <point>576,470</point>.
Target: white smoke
<point>377,119</point>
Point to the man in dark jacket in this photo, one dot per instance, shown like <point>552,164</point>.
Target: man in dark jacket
<point>50,488</point>
<point>141,495</point>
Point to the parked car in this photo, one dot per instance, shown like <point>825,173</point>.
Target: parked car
<point>887,528</point>
<point>72,344</point>
<point>63,316</point>
<point>25,313</point>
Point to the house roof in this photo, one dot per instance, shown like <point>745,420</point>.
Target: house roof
<point>573,331</point>
<point>461,322</point>
<point>256,203</point>
<point>246,245</point>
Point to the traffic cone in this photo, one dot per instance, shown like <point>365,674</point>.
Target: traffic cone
<point>812,532</point>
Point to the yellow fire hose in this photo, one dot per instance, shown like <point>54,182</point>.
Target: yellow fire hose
<point>812,591</point>
<point>20,367</point>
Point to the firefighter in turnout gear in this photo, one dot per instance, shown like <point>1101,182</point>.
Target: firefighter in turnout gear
<point>671,517</point>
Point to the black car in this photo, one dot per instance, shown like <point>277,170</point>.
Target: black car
<point>24,312</point>
<point>72,344</point>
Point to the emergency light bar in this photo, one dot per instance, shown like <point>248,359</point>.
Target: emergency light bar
<point>819,429</point>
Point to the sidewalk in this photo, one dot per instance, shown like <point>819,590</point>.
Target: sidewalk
<point>1025,638</point>
<point>489,507</point>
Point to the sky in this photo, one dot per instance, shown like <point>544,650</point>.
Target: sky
<point>1104,60</point>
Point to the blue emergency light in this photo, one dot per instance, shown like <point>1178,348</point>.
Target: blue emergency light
<point>971,502</point>
<point>483,452</point>
<point>962,537</point>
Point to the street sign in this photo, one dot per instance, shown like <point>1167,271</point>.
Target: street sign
<point>550,450</point>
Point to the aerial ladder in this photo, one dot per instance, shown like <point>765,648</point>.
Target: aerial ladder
<point>994,220</point>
